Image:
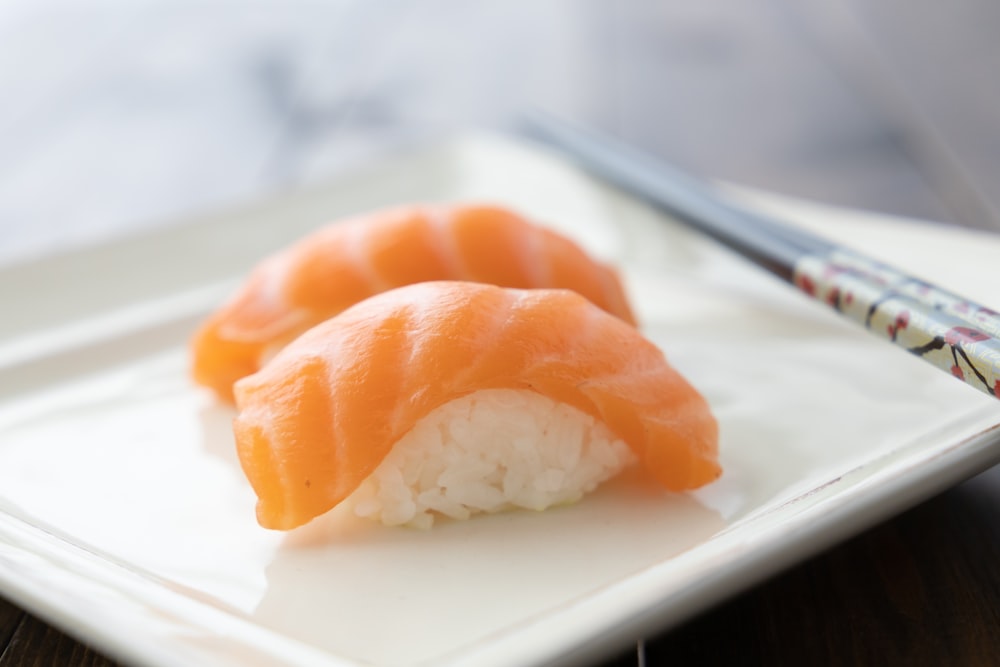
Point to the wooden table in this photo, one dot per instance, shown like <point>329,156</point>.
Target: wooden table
<point>116,121</point>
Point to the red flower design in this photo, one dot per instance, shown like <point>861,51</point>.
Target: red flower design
<point>901,322</point>
<point>806,284</point>
<point>958,335</point>
<point>957,372</point>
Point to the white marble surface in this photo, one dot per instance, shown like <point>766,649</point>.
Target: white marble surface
<point>120,115</point>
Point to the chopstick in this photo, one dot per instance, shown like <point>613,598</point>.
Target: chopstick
<point>955,334</point>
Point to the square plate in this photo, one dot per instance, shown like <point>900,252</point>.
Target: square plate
<point>125,519</point>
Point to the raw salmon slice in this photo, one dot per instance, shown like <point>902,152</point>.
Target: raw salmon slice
<point>342,264</point>
<point>318,419</point>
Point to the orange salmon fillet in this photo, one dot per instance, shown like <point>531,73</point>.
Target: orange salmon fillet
<point>344,263</point>
<point>320,417</point>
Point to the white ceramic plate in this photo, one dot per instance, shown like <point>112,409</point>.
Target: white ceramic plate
<point>125,519</point>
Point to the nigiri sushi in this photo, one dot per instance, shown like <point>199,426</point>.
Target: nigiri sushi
<point>344,263</point>
<point>452,398</point>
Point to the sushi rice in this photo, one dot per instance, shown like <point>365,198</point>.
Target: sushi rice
<point>490,451</point>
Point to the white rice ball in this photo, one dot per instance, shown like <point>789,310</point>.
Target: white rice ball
<point>490,451</point>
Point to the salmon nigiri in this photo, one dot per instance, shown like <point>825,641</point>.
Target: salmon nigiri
<point>344,263</point>
<point>451,398</point>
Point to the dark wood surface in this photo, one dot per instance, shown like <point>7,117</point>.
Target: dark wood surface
<point>888,105</point>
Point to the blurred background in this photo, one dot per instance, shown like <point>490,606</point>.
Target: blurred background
<point>120,115</point>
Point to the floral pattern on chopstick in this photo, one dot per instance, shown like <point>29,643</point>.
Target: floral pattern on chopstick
<point>954,334</point>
